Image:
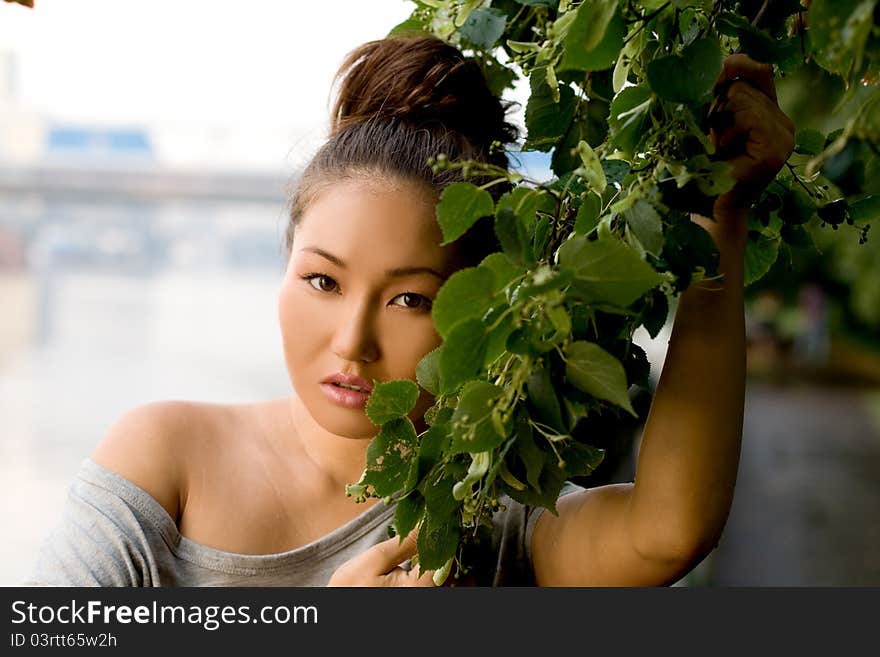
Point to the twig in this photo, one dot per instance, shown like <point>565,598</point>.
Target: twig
<point>760,13</point>
<point>799,181</point>
<point>645,20</point>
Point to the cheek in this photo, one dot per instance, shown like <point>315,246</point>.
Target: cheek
<point>408,349</point>
<point>404,341</point>
<point>301,325</point>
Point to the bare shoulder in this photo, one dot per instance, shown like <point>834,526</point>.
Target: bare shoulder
<point>153,446</point>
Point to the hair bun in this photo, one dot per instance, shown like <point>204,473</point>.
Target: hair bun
<point>422,81</point>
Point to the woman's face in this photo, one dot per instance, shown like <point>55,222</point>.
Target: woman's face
<point>344,309</point>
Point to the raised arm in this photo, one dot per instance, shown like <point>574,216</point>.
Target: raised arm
<point>655,530</point>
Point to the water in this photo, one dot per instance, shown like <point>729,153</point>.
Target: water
<point>117,308</point>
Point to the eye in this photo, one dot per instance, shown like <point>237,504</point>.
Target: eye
<point>325,283</point>
<point>414,301</point>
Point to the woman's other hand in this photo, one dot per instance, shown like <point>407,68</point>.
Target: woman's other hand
<point>749,130</point>
<point>380,566</point>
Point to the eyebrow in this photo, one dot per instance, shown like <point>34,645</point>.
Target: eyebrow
<point>391,273</point>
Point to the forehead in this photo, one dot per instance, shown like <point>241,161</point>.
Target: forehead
<point>381,223</point>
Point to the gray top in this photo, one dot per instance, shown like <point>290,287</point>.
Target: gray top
<point>113,533</point>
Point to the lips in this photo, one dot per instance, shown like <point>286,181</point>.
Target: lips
<point>347,390</point>
<point>350,382</point>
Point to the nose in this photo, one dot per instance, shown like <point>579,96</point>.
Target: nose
<point>355,336</point>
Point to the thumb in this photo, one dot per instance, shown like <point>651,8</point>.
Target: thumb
<point>387,555</point>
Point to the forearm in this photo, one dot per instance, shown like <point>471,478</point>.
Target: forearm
<point>691,442</point>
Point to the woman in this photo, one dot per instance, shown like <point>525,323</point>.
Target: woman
<point>197,494</point>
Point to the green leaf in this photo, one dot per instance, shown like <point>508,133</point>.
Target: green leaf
<point>838,32</point>
<point>656,315</point>
<point>645,222</point>
<point>541,333</point>
<point>463,355</point>
<point>637,367</point>
<point>592,169</point>
<point>590,124</point>
<point>580,459</point>
<point>797,207</point>
<point>542,396</point>
<point>484,27</point>
<point>586,29</point>
<point>606,271</point>
<point>502,268</point>
<point>594,18</point>
<point>629,110</point>
<point>809,142</point>
<point>796,236</point>
<point>561,321</point>
<point>756,43</point>
<point>497,343</point>
<point>389,455</point>
<point>588,214</point>
<point>511,234</point>
<point>596,372</point>
<point>438,414</point>
<point>410,27</point>
<point>689,246</point>
<point>712,178</point>
<point>472,427</point>
<point>543,279</point>
<point>437,541</point>
<point>526,203</point>
<point>690,77</point>
<point>391,400</point>
<point>499,77</point>
<point>615,170</point>
<point>545,495</point>
<point>518,342</point>
<point>865,209</point>
<point>546,119</point>
<point>408,513</point>
<point>522,47</point>
<point>466,294</point>
<point>533,457</point>
<point>437,490</point>
<point>433,443</point>
<point>428,371</point>
<point>461,204</point>
<point>542,234</point>
<point>538,3</point>
<point>760,256</point>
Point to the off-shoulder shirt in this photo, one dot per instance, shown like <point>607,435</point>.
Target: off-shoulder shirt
<point>113,533</point>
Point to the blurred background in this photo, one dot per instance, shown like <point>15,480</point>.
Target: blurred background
<point>146,152</point>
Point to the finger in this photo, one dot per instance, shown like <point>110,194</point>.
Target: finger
<point>756,73</point>
<point>733,95</point>
<point>745,110</point>
<point>426,578</point>
<point>400,577</point>
<point>387,555</point>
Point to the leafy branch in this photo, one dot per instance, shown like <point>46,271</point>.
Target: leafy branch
<point>537,339</point>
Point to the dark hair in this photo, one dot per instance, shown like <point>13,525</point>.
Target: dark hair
<point>401,101</point>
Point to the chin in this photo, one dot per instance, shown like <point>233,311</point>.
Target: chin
<point>343,422</point>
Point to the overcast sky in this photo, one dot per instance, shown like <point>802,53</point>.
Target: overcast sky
<point>253,65</point>
<point>256,72</point>
<point>225,60</point>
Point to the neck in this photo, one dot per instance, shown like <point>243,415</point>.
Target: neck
<point>335,460</point>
